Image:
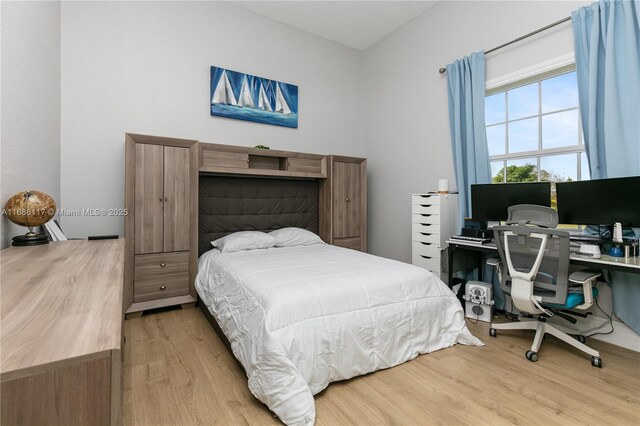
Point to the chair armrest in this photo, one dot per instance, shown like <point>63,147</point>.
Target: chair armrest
<point>587,279</point>
<point>580,277</point>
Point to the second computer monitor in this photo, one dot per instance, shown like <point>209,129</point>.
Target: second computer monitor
<point>600,202</point>
<point>490,202</point>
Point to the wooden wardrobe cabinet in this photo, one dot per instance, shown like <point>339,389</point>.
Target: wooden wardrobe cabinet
<point>161,226</point>
<point>344,197</point>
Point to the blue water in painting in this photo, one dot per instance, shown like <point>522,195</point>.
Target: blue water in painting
<point>251,114</point>
<point>289,91</point>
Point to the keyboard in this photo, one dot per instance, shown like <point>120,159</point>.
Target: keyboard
<point>474,240</point>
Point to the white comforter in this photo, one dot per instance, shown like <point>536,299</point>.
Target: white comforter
<point>299,318</point>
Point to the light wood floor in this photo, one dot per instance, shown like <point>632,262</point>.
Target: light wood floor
<point>177,372</point>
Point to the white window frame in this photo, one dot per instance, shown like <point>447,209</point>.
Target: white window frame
<point>549,69</point>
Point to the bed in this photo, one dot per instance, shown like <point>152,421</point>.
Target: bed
<point>298,318</point>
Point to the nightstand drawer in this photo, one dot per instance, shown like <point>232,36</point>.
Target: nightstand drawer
<point>350,243</point>
<point>426,208</point>
<point>426,249</point>
<point>161,287</point>
<point>160,264</point>
<point>161,275</point>
<point>425,237</point>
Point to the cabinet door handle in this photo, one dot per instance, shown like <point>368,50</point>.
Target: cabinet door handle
<point>162,265</point>
<point>347,200</point>
<point>160,199</point>
<point>165,199</point>
<point>162,287</point>
<point>348,246</point>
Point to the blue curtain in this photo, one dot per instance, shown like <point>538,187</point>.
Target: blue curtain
<point>468,134</point>
<point>607,50</point>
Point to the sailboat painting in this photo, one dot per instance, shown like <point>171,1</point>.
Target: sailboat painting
<point>252,98</point>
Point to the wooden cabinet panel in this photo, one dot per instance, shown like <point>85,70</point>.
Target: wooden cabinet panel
<point>149,198</point>
<point>308,165</point>
<point>215,158</point>
<point>346,200</point>
<point>77,394</point>
<point>177,194</point>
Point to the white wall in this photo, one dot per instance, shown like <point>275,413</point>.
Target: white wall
<point>406,122</point>
<point>30,136</point>
<point>144,68</point>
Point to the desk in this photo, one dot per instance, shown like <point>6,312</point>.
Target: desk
<point>61,333</point>
<point>631,264</point>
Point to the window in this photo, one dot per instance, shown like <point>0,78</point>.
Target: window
<point>534,132</point>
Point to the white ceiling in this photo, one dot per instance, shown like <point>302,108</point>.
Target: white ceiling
<point>356,24</point>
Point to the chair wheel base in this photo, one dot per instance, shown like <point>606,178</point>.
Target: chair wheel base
<point>596,361</point>
<point>493,332</point>
<point>579,337</point>
<point>532,356</point>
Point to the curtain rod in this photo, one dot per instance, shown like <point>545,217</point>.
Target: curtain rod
<point>532,33</point>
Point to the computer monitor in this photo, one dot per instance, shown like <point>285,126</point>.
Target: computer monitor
<point>600,202</point>
<point>490,202</point>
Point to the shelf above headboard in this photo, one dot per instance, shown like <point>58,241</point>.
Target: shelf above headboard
<point>217,158</point>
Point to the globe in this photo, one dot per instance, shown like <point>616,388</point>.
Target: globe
<point>30,208</point>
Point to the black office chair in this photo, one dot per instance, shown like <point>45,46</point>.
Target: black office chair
<point>534,270</point>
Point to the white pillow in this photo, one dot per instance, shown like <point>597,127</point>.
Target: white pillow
<point>290,237</point>
<point>244,240</point>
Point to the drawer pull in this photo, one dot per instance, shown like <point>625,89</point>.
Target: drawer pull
<point>347,200</point>
<point>162,265</point>
<point>348,246</point>
<point>163,287</point>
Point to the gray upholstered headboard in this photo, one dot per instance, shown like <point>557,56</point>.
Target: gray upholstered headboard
<point>229,204</point>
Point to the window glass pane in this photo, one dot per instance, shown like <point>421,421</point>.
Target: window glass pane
<point>496,139</point>
<point>559,168</point>
<point>494,109</point>
<point>523,101</point>
<point>560,129</point>
<point>560,92</point>
<point>497,171</point>
<point>584,167</point>
<point>522,170</point>
<point>523,135</point>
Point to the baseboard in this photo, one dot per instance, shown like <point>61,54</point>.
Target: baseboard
<point>622,335</point>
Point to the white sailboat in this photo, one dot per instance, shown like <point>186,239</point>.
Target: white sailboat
<point>224,93</point>
<point>281,102</point>
<point>263,100</point>
<point>245,99</point>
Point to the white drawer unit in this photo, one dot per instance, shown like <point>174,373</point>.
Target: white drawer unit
<point>434,220</point>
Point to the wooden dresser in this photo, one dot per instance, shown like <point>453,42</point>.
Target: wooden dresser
<point>62,333</point>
